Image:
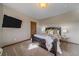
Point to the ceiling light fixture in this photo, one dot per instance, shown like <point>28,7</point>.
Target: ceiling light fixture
<point>43,5</point>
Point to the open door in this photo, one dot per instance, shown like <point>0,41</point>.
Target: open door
<point>33,28</point>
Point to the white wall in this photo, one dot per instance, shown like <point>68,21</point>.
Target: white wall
<point>13,35</point>
<point>68,20</point>
<point>1,31</point>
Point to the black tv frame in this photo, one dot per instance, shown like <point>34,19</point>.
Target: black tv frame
<point>11,22</point>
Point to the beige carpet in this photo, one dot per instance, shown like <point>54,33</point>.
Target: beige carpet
<point>26,48</point>
<point>70,49</point>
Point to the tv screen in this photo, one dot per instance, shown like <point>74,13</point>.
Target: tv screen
<point>11,22</point>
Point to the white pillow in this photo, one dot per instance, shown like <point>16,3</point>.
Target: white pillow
<point>58,32</point>
<point>50,32</point>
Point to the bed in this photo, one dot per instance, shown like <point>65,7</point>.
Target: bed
<point>42,41</point>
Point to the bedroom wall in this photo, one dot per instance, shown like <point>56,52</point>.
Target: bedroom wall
<point>13,35</point>
<point>1,17</point>
<point>69,21</point>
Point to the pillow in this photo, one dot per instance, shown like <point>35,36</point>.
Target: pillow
<point>58,32</point>
<point>50,32</point>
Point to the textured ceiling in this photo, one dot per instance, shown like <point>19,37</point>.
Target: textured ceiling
<point>33,9</point>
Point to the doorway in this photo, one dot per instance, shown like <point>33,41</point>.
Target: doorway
<point>33,28</point>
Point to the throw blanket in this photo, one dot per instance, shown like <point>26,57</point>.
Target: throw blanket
<point>49,41</point>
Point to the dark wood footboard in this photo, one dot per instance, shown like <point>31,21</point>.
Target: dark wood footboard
<point>54,48</point>
<point>42,44</point>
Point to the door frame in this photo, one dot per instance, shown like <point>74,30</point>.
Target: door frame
<point>31,27</point>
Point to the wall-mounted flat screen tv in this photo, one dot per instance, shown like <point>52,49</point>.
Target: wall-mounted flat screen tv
<point>11,22</point>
